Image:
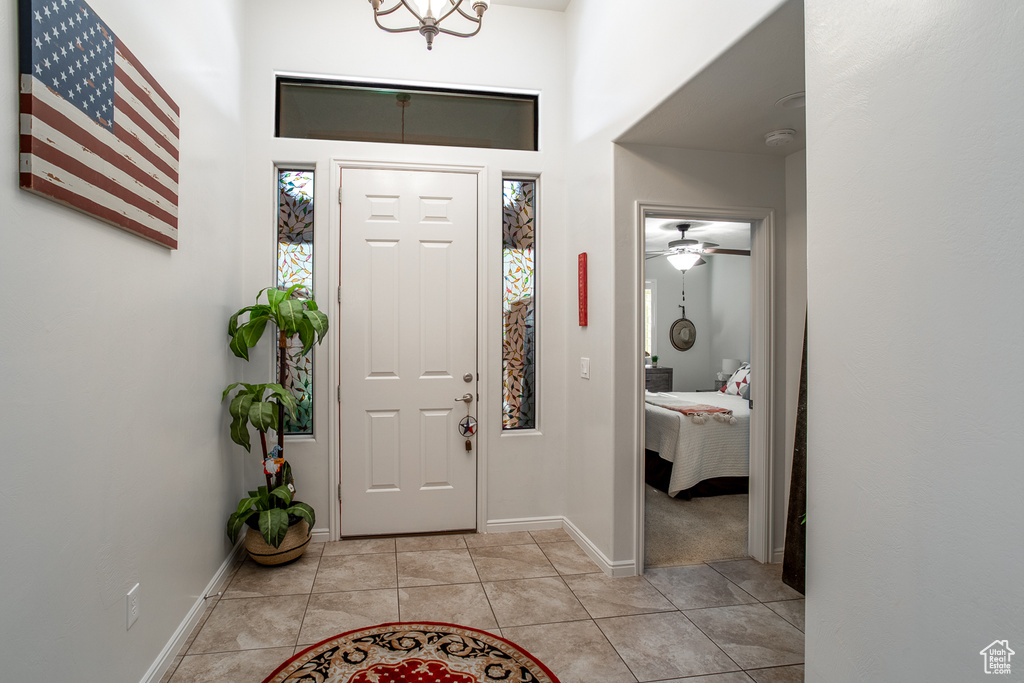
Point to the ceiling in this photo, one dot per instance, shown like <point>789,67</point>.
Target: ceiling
<point>556,5</point>
<point>730,105</point>
<point>658,232</point>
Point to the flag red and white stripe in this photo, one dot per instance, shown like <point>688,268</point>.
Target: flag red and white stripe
<point>119,164</point>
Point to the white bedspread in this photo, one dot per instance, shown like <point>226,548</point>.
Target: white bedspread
<point>700,451</point>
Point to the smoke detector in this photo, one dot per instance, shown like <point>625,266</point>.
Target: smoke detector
<point>778,138</point>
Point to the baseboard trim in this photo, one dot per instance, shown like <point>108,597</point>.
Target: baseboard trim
<point>777,555</point>
<point>321,535</point>
<point>523,524</point>
<point>616,569</point>
<point>217,584</point>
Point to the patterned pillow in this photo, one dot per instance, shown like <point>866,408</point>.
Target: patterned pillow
<point>739,383</point>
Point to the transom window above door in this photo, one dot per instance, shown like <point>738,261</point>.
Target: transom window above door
<point>338,110</point>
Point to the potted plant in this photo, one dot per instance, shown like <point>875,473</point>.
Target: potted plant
<point>279,526</point>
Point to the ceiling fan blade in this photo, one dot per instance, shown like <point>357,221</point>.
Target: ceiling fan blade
<point>734,252</point>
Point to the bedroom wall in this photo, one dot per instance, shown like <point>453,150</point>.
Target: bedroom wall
<point>915,472</point>
<point>611,85</point>
<point>730,312</point>
<point>689,368</point>
<point>518,49</point>
<point>117,463</point>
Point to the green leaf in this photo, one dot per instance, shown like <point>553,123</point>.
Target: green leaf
<point>263,415</point>
<point>318,320</point>
<point>283,493</point>
<point>253,330</point>
<point>235,523</point>
<point>306,335</point>
<point>246,504</point>
<point>286,398</point>
<point>275,297</point>
<point>273,526</point>
<point>228,390</point>
<point>289,314</point>
<point>238,345</point>
<point>304,511</point>
<point>240,433</point>
<point>240,404</point>
<point>292,290</point>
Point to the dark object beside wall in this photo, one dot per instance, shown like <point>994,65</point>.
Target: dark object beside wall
<point>794,562</point>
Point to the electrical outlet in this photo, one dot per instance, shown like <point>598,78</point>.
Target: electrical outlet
<point>133,605</point>
<point>585,368</point>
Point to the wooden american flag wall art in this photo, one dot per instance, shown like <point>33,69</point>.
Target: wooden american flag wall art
<point>98,133</point>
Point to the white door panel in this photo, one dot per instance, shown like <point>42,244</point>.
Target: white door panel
<point>408,331</point>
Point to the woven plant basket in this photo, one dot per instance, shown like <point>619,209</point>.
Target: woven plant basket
<point>292,547</point>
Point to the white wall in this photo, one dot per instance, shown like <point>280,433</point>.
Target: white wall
<point>517,49</point>
<point>690,368</point>
<point>698,178</point>
<point>730,311</point>
<point>916,467</point>
<point>793,313</point>
<point>620,65</point>
<point>117,465</point>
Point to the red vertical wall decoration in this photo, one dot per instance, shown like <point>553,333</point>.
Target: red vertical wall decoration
<point>583,289</point>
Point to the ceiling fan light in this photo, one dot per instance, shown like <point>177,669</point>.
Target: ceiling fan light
<point>683,261</point>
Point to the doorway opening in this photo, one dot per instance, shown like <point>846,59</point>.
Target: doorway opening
<point>697,323</point>
<point>692,415</point>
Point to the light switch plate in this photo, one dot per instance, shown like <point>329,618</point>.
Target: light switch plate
<point>585,368</point>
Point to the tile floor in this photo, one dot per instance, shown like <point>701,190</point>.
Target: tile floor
<point>724,622</point>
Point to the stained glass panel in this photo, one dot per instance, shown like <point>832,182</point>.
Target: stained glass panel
<point>295,267</point>
<point>518,305</point>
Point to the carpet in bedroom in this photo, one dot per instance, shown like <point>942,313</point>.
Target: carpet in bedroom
<point>692,531</point>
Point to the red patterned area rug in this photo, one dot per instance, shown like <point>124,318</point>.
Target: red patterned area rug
<point>413,652</point>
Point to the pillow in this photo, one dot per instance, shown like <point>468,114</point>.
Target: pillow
<point>739,383</point>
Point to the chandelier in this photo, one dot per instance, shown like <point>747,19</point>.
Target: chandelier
<point>430,13</point>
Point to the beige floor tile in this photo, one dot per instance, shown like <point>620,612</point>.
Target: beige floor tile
<point>664,646</point>
<point>550,536</point>
<point>695,586</point>
<point>783,674</point>
<point>752,635</point>
<point>360,546</point>
<point>449,542</point>
<point>498,563</point>
<point>499,538</point>
<point>255,580</point>
<point>463,604</point>
<point>231,667</point>
<point>524,602</point>
<point>210,604</point>
<point>604,596</point>
<point>576,652</point>
<point>251,623</point>
<point>340,573</point>
<point>731,677</point>
<point>329,614</point>
<point>435,568</point>
<point>763,581</point>
<point>568,558</point>
<point>790,610</point>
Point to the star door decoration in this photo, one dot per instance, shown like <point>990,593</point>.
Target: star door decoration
<point>467,427</point>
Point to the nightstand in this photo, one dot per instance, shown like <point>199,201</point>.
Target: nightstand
<point>659,379</point>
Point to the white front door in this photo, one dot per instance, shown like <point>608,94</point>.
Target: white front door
<point>408,350</point>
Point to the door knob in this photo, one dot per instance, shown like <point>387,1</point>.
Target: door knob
<point>466,398</point>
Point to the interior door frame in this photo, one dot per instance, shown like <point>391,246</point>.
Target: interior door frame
<point>334,333</point>
<point>760,509</point>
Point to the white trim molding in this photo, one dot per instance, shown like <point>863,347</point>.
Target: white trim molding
<point>216,586</point>
<point>609,567</point>
<point>498,526</point>
<point>760,541</point>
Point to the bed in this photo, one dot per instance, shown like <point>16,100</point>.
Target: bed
<point>698,451</point>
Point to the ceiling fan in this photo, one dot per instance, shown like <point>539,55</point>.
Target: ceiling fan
<point>685,253</point>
